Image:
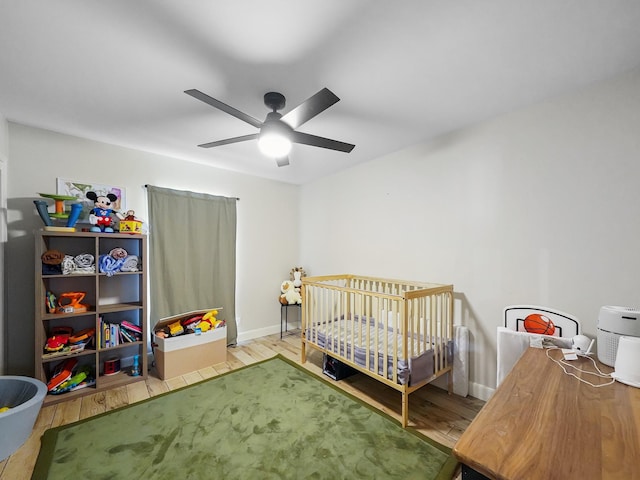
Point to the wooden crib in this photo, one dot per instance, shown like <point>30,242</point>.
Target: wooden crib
<point>398,332</point>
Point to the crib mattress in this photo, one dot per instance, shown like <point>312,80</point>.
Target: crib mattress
<point>341,336</point>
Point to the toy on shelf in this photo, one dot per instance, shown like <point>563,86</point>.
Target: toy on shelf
<point>69,376</point>
<point>135,369</point>
<point>69,302</point>
<point>64,341</point>
<point>82,337</point>
<point>60,213</point>
<point>80,377</point>
<point>62,373</point>
<point>130,223</point>
<point>58,340</point>
<point>50,302</point>
<point>68,349</point>
<point>100,215</point>
<point>111,366</point>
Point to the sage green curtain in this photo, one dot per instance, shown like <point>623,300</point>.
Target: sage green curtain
<point>192,254</point>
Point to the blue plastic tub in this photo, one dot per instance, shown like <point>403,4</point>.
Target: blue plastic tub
<point>24,397</point>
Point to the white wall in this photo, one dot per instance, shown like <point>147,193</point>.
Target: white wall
<point>4,159</point>
<point>4,137</point>
<point>267,247</point>
<point>540,206</point>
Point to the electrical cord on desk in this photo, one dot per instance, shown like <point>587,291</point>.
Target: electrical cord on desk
<point>562,364</point>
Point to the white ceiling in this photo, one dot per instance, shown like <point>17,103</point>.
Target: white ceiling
<point>406,71</point>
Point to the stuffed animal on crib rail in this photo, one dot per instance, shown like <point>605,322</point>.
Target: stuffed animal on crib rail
<point>100,215</point>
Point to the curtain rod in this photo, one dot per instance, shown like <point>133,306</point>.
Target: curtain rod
<point>237,198</point>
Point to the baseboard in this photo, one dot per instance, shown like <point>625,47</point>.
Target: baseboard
<point>480,391</point>
<point>476,390</point>
<point>263,332</point>
<point>260,332</point>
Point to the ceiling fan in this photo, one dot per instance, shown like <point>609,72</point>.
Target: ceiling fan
<point>278,131</point>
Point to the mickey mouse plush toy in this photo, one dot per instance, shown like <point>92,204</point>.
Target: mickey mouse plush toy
<point>100,215</point>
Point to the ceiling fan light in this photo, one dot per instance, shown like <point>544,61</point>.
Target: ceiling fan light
<point>274,144</point>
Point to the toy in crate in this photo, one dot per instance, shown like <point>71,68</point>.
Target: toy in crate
<point>195,322</point>
<point>189,341</point>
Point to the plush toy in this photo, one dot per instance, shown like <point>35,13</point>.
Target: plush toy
<point>130,223</point>
<point>284,288</point>
<point>293,297</point>
<point>296,276</point>
<point>130,216</point>
<point>100,215</point>
<point>290,294</point>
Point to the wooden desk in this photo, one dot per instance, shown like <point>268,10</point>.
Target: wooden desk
<point>544,424</point>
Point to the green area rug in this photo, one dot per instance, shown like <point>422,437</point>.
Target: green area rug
<point>269,420</point>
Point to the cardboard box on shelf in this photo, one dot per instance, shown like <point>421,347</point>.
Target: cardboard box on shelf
<point>176,356</point>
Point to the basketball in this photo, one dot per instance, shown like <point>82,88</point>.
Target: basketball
<point>538,323</point>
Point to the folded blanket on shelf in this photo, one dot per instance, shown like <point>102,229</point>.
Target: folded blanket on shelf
<point>52,257</point>
<point>51,269</point>
<point>109,265</point>
<point>130,264</point>
<point>68,265</point>
<point>85,263</point>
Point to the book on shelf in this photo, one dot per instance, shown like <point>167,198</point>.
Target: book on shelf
<point>134,331</point>
<point>131,326</point>
<point>117,333</point>
<point>126,336</point>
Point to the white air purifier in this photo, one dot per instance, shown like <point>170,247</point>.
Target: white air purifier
<point>613,323</point>
<point>627,369</point>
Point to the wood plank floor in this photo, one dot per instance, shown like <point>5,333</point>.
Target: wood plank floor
<point>432,411</point>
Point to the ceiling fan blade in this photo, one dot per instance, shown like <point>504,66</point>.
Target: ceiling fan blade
<point>282,162</point>
<point>311,107</point>
<point>227,141</point>
<point>224,107</point>
<point>314,141</point>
